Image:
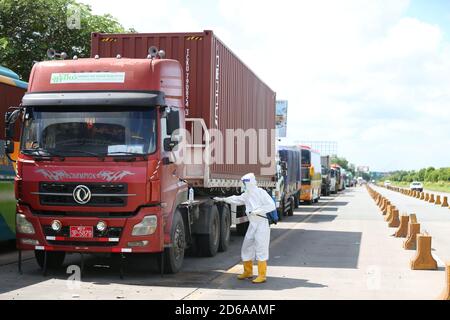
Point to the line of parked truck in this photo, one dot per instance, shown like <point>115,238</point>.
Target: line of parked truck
<point>96,145</point>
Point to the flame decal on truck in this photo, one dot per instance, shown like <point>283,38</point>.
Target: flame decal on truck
<point>109,176</point>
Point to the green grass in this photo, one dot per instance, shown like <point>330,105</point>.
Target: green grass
<point>8,211</point>
<point>8,203</point>
<point>6,186</point>
<point>441,186</point>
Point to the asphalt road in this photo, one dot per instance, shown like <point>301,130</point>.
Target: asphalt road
<point>338,249</point>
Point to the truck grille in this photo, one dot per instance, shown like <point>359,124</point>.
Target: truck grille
<point>97,214</point>
<point>82,243</point>
<point>103,194</point>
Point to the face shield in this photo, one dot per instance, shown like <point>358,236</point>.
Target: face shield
<point>244,184</point>
<point>248,182</point>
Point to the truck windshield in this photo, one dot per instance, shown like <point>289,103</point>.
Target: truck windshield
<point>88,131</point>
<point>306,157</point>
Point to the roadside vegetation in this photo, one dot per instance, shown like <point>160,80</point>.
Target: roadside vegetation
<point>25,39</point>
<point>432,179</point>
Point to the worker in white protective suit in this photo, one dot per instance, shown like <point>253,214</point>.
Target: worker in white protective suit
<point>256,242</point>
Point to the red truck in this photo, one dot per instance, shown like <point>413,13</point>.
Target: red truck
<point>98,169</point>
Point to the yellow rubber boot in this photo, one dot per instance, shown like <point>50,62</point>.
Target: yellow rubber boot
<point>262,270</point>
<point>248,270</point>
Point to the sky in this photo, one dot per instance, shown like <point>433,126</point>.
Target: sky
<point>373,75</point>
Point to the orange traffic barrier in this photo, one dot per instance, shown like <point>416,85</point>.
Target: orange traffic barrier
<point>445,202</point>
<point>438,200</point>
<point>388,212</point>
<point>388,203</point>
<point>424,259</point>
<point>427,197</point>
<point>402,230</point>
<point>422,196</point>
<point>431,198</point>
<point>413,230</point>
<point>379,199</point>
<point>394,220</point>
<point>445,295</point>
<point>383,204</point>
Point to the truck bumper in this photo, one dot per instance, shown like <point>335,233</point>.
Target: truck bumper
<point>46,239</point>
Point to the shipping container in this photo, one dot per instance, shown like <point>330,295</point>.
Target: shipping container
<point>219,88</point>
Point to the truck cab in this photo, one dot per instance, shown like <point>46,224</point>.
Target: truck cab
<point>96,170</point>
<point>311,175</point>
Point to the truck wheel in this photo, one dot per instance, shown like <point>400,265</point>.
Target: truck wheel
<point>225,223</point>
<point>291,205</point>
<point>296,201</point>
<point>55,259</point>
<point>208,244</point>
<point>241,228</point>
<point>280,212</point>
<point>174,256</point>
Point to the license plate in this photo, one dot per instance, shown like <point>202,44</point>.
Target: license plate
<point>82,232</point>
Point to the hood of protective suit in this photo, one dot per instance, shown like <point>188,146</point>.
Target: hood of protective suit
<point>250,182</point>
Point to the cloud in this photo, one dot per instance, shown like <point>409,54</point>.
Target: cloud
<point>359,72</point>
<point>145,16</point>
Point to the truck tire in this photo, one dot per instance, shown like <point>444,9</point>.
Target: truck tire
<point>241,228</point>
<point>280,212</point>
<point>296,201</point>
<point>225,224</point>
<point>291,209</point>
<point>55,259</point>
<point>208,244</point>
<point>174,256</point>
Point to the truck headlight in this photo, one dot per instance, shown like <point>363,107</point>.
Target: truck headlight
<point>146,227</point>
<point>23,225</point>
<point>101,226</point>
<point>56,225</point>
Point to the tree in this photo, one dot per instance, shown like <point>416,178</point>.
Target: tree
<point>342,162</point>
<point>29,28</point>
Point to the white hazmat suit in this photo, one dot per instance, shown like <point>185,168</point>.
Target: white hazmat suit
<point>256,242</point>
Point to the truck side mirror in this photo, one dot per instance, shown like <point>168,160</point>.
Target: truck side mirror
<point>173,121</point>
<point>10,119</point>
<point>9,146</point>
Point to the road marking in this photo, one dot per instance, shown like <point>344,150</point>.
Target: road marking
<point>231,272</point>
